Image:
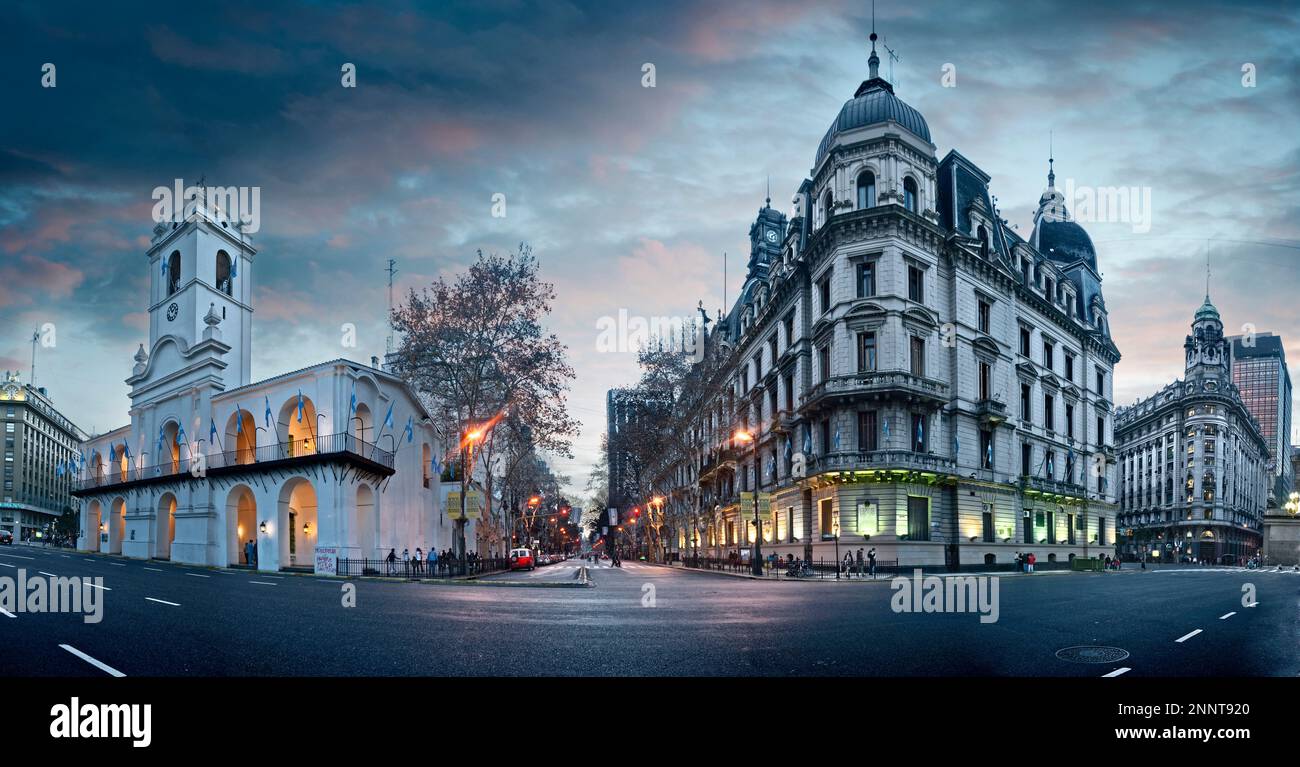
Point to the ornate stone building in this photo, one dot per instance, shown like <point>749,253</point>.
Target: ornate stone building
<point>1194,466</point>
<point>921,379</point>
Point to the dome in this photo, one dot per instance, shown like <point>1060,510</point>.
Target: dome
<point>1064,241</point>
<point>873,104</point>
<point>1207,311</point>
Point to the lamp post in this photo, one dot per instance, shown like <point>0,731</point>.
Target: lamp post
<point>835,533</point>
<point>756,554</point>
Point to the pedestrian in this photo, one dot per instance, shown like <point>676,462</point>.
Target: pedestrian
<point>848,564</point>
<point>861,563</point>
<point>871,562</point>
<point>419,560</point>
<point>248,552</point>
<point>1107,561</point>
<point>1031,560</point>
<point>392,561</point>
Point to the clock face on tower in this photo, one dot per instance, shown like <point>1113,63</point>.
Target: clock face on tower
<point>172,312</point>
<point>770,234</point>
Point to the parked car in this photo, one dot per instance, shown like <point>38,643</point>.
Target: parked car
<point>6,538</point>
<point>522,559</point>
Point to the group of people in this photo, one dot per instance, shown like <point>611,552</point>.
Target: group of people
<point>862,566</point>
<point>1025,562</point>
<point>435,563</point>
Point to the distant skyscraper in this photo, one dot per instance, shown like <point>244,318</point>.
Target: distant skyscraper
<point>38,441</point>
<point>1260,373</point>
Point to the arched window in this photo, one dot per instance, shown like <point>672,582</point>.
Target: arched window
<point>983,235</point>
<point>909,194</point>
<point>173,272</point>
<point>223,280</point>
<point>826,208</point>
<point>866,190</point>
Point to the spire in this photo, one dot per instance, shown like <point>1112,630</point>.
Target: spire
<point>873,61</point>
<point>1051,160</point>
<point>768,202</point>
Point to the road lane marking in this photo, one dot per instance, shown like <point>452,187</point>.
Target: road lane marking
<point>16,556</point>
<point>88,583</point>
<point>196,575</point>
<point>163,602</point>
<point>101,666</point>
<point>1252,604</point>
<point>1229,615</point>
<point>1117,672</point>
<point>156,570</point>
<point>42,572</point>
<point>117,564</point>
<point>7,614</point>
<point>1186,637</point>
<point>262,583</point>
<point>5,564</point>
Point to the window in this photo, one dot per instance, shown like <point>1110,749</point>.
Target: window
<point>987,518</point>
<point>867,430</point>
<point>918,356</point>
<point>173,272</point>
<point>1069,367</point>
<point>866,351</point>
<point>223,272</point>
<point>1026,457</point>
<point>983,235</point>
<point>789,393</point>
<point>824,291</point>
<point>1049,412</point>
<point>789,330</point>
<point>866,279</point>
<point>826,435</point>
<point>828,208</point>
<point>824,361</point>
<point>986,381</point>
<point>826,512</point>
<point>1026,414</point>
<point>1101,382</point>
<point>866,190</point>
<point>1048,286</point>
<point>916,284</point>
<point>985,314</point>
<point>771,348</point>
<point>918,518</point>
<point>1101,431</point>
<point>1024,342</point>
<point>1049,464</point>
<point>909,194</point>
<point>1049,355</point>
<point>986,449</point>
<point>1069,420</point>
<point>919,434</point>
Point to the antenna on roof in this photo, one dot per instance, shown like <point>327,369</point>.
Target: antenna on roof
<point>892,58</point>
<point>392,270</point>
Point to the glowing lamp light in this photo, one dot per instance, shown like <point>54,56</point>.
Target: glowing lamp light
<point>262,527</point>
<point>306,529</point>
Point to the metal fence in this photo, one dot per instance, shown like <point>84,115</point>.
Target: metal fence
<point>782,569</point>
<point>443,568</point>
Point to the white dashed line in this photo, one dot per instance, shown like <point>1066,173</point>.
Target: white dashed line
<point>42,572</point>
<point>262,583</point>
<point>1252,604</point>
<point>117,564</point>
<point>6,613</point>
<point>154,569</point>
<point>101,666</point>
<point>102,588</point>
<point>1117,672</point>
<point>3,564</point>
<point>16,556</point>
<point>1186,637</point>
<point>163,602</point>
<point>1229,615</point>
<point>196,575</point>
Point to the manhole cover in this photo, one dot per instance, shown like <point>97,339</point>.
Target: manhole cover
<point>1091,654</point>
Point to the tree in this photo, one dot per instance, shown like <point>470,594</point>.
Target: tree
<point>476,352</point>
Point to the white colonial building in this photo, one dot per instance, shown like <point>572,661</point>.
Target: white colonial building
<point>331,461</point>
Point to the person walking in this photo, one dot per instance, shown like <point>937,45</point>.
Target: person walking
<point>392,561</point>
<point>862,561</point>
<point>871,562</point>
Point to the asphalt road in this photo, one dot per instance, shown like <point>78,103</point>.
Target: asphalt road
<point>162,619</point>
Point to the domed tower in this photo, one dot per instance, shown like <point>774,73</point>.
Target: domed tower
<point>1206,348</point>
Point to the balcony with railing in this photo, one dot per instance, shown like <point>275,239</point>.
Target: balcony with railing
<point>1055,487</point>
<point>896,384</point>
<point>870,460</point>
<point>328,448</point>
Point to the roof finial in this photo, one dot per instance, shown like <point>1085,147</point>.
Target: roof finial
<point>768,202</point>
<point>1207,275</point>
<point>874,60</point>
<point>1051,160</point>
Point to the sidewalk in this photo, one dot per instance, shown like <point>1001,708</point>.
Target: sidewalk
<point>880,577</point>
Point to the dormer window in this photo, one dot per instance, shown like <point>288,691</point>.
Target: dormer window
<point>909,194</point>
<point>866,190</point>
<point>827,207</point>
<point>983,235</point>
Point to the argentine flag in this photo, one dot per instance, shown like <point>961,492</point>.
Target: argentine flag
<point>268,410</point>
<point>352,403</point>
<point>388,418</point>
<point>410,431</point>
<point>300,406</point>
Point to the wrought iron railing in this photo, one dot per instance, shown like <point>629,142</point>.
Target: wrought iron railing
<point>199,462</point>
<point>445,567</point>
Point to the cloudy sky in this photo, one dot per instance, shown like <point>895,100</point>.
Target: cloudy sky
<point>629,195</point>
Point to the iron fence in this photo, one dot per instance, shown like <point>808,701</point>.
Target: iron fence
<point>782,568</point>
<point>443,568</point>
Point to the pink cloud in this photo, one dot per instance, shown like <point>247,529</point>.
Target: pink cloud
<point>31,277</point>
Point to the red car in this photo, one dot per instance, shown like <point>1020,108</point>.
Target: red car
<point>522,559</point>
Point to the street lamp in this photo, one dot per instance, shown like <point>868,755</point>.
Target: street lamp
<point>835,533</point>
<point>756,556</point>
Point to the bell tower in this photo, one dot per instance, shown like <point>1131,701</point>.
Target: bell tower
<point>1206,348</point>
<point>200,299</point>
